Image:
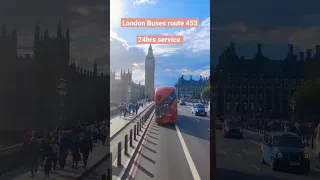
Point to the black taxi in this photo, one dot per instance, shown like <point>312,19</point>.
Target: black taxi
<point>284,149</point>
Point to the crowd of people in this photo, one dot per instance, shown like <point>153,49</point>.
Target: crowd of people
<point>54,148</point>
<point>130,108</point>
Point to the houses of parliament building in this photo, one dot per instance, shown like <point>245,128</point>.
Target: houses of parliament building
<point>261,86</point>
<point>190,88</point>
<point>28,90</point>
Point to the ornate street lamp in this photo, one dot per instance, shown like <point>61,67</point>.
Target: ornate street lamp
<point>62,90</point>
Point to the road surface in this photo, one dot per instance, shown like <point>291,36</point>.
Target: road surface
<point>240,159</point>
<point>171,153</point>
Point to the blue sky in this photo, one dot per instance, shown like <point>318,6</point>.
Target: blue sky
<point>191,58</point>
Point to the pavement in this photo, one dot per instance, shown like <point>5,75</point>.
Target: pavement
<point>175,152</point>
<point>241,158</point>
<point>99,152</point>
<point>117,122</point>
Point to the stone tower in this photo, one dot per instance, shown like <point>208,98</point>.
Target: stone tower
<point>149,73</point>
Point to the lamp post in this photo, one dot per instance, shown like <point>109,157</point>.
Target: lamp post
<point>62,93</point>
<point>293,107</point>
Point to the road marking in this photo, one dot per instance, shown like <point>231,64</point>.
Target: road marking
<point>222,152</point>
<point>254,142</point>
<point>136,160</point>
<point>192,167</point>
<point>197,120</point>
<point>239,155</point>
<point>128,160</point>
<point>245,151</point>
<point>315,169</point>
<point>256,167</point>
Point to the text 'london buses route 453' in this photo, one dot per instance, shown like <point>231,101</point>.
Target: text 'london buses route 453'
<point>160,22</point>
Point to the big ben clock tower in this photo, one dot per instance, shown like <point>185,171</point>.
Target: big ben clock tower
<point>149,73</point>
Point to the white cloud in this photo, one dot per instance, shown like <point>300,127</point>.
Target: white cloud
<point>123,55</point>
<point>167,70</point>
<point>139,2</point>
<point>198,72</point>
<point>197,39</point>
<point>117,11</point>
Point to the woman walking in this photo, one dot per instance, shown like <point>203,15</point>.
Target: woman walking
<point>47,152</point>
<point>64,145</point>
<point>86,147</point>
<point>55,153</point>
<point>75,152</point>
<point>34,150</point>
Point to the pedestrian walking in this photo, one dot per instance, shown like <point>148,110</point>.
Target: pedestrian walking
<point>33,152</point>
<point>47,152</point>
<point>64,145</point>
<point>26,140</point>
<point>104,133</point>
<point>95,132</point>
<point>137,108</point>
<point>55,153</point>
<point>130,108</point>
<point>44,142</point>
<point>86,147</point>
<point>125,109</point>
<point>75,152</point>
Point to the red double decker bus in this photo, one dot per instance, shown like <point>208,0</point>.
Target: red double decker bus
<point>166,105</point>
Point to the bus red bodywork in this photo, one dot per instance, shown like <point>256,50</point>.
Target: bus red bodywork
<point>166,105</point>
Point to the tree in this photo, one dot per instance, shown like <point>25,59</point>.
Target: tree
<point>307,98</point>
<point>205,93</point>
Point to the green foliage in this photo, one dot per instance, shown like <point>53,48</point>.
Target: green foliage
<point>307,97</point>
<point>205,93</point>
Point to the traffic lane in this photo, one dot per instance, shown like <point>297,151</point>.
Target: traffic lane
<point>231,164</point>
<point>249,152</point>
<point>162,156</point>
<point>187,110</point>
<point>195,131</point>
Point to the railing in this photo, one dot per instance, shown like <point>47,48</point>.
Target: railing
<point>135,130</point>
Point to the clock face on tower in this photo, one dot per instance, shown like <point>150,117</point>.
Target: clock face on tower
<point>149,64</point>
